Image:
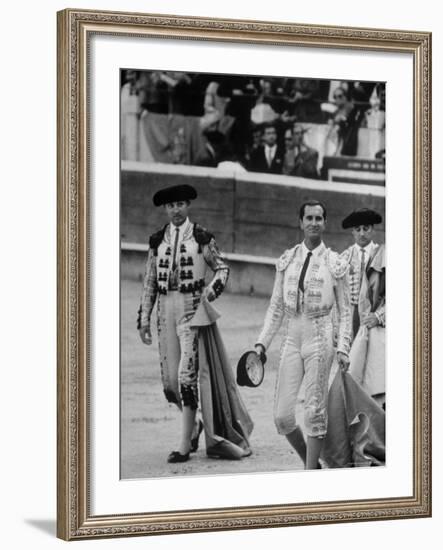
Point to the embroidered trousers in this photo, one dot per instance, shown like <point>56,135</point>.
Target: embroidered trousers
<point>178,347</point>
<point>307,354</point>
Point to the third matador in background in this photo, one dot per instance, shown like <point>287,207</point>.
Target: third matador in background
<point>309,282</point>
<point>175,277</point>
<point>359,255</point>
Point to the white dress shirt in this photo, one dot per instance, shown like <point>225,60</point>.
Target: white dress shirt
<point>304,250</point>
<point>270,153</point>
<point>181,231</point>
<point>369,249</point>
<point>315,252</point>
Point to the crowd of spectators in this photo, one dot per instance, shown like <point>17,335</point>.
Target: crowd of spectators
<point>260,122</point>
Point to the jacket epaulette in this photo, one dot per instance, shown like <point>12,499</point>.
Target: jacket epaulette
<point>201,234</point>
<point>156,238</point>
<point>285,258</point>
<point>346,254</point>
<point>338,264</point>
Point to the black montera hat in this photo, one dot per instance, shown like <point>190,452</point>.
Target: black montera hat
<point>363,216</point>
<point>174,194</point>
<point>250,369</point>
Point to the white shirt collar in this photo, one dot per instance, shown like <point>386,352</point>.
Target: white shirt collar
<point>315,252</point>
<point>368,249</point>
<point>181,229</point>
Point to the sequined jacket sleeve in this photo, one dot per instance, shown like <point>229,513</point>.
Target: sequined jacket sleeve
<point>275,313</point>
<point>149,292</point>
<point>213,258</point>
<point>342,300</point>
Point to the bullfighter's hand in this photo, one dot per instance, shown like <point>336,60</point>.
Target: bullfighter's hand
<point>210,295</point>
<point>259,348</point>
<point>370,320</point>
<point>343,361</point>
<point>145,335</point>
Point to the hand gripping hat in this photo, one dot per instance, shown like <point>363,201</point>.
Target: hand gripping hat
<point>250,369</point>
<point>174,194</point>
<point>363,216</point>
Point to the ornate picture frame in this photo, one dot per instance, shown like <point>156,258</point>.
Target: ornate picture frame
<point>75,518</point>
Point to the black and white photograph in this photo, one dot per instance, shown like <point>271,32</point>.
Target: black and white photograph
<point>252,273</point>
<point>202,347</point>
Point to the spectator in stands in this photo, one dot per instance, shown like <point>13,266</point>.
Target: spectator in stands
<point>130,111</point>
<point>179,147</point>
<point>257,138</point>
<point>306,158</point>
<point>214,105</point>
<point>196,93</point>
<point>289,158</point>
<point>153,92</point>
<point>343,104</point>
<point>271,93</point>
<point>381,90</point>
<point>300,160</point>
<point>254,142</point>
<point>178,84</point>
<point>361,92</point>
<point>304,100</point>
<point>338,107</point>
<point>346,122</point>
<point>375,120</point>
<point>215,148</point>
<point>130,81</point>
<point>130,92</point>
<point>266,92</point>
<point>269,156</point>
<point>241,92</point>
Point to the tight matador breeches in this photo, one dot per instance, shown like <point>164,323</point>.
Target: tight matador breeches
<point>307,354</point>
<point>178,347</point>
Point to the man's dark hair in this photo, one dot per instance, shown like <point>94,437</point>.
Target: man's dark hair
<point>267,125</point>
<point>312,203</point>
<point>343,91</point>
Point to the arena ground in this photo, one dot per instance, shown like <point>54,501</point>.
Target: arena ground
<point>150,426</point>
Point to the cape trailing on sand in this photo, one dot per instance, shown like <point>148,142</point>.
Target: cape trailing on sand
<point>226,421</point>
<point>356,426</point>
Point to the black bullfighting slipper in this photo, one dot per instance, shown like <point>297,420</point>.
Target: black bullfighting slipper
<point>194,440</point>
<point>175,456</point>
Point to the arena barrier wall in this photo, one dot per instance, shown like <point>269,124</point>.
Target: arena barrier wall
<point>254,217</point>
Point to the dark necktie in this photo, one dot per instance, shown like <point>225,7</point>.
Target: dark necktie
<point>362,264</point>
<point>356,313</point>
<point>301,281</point>
<point>174,257</point>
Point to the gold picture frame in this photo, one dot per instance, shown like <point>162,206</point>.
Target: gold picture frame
<point>74,518</point>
